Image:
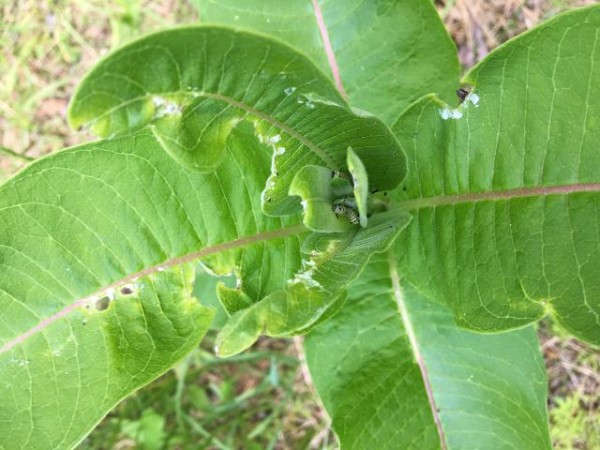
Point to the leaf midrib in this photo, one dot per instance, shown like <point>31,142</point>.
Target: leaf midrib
<point>328,48</point>
<point>413,341</point>
<point>189,257</point>
<point>509,194</point>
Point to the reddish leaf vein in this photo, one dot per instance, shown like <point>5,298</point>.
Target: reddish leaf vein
<point>218,248</point>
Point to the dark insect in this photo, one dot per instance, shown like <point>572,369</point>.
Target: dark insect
<point>462,94</point>
<point>340,209</point>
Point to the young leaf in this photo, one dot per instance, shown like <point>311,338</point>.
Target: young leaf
<point>394,371</point>
<point>316,186</point>
<point>383,55</point>
<point>505,189</point>
<point>193,86</point>
<point>315,291</point>
<point>360,181</point>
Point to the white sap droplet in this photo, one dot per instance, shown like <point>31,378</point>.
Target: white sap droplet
<point>110,293</point>
<point>289,91</point>
<point>279,151</point>
<point>274,139</point>
<point>473,98</point>
<point>171,108</point>
<point>306,278</point>
<point>160,269</point>
<point>165,107</point>
<point>448,113</point>
<point>310,105</point>
<point>304,204</point>
<point>158,101</point>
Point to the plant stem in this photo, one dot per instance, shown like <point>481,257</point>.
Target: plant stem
<point>13,154</point>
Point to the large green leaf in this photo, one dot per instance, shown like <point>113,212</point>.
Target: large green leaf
<point>109,225</point>
<point>193,86</point>
<point>382,54</point>
<point>505,189</point>
<point>394,371</point>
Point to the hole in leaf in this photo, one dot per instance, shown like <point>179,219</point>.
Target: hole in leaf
<point>126,290</point>
<point>102,304</point>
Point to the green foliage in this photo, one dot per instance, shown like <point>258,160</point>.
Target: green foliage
<point>572,427</point>
<point>507,184</point>
<point>213,78</point>
<point>388,53</point>
<point>471,377</point>
<point>232,148</point>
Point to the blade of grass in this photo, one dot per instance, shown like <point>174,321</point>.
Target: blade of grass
<point>13,154</point>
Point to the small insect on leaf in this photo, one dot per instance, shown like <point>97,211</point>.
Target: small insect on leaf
<point>342,210</point>
<point>462,94</point>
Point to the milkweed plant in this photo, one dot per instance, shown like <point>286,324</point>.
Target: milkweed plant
<point>318,152</point>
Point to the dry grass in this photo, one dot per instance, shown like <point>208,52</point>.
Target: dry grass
<point>46,48</point>
<point>479,26</point>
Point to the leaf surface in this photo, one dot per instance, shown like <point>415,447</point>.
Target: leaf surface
<point>394,371</point>
<point>192,86</point>
<point>383,55</point>
<point>505,189</point>
<point>107,229</point>
<point>95,290</point>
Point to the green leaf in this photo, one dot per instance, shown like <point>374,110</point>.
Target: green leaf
<point>382,54</point>
<point>318,190</point>
<point>95,291</point>
<point>415,380</point>
<point>315,293</point>
<point>505,189</point>
<point>205,288</point>
<point>193,86</point>
<point>74,363</point>
<point>360,181</point>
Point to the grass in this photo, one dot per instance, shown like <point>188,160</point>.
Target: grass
<point>255,400</point>
<point>478,26</point>
<point>262,399</point>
